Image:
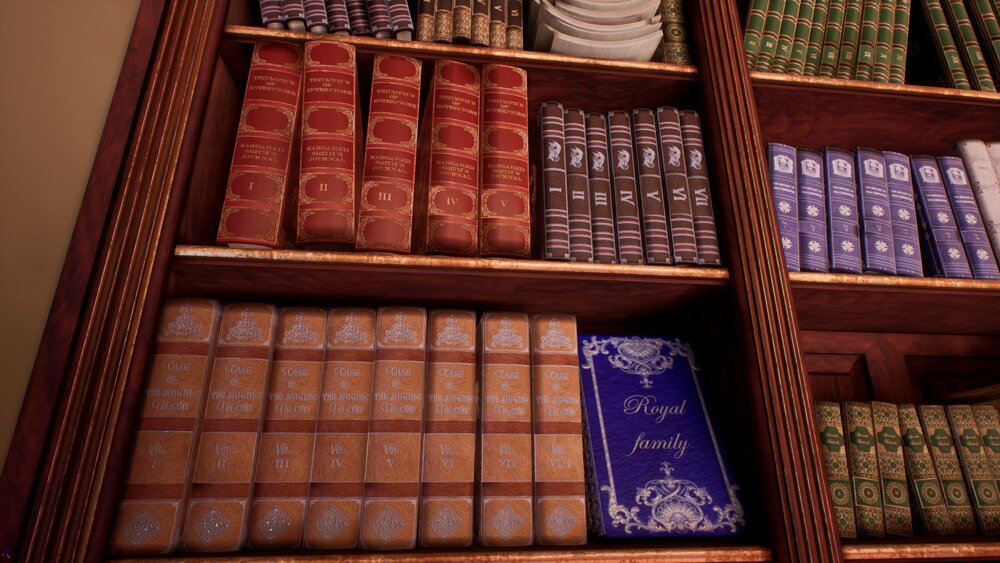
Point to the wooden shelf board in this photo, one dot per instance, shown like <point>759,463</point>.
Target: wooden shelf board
<point>861,87</point>
<point>945,551</point>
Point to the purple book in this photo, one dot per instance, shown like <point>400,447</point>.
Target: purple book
<point>970,222</point>
<point>905,235</point>
<point>812,212</point>
<point>781,159</point>
<point>842,210</point>
<point>937,221</point>
<point>873,206</point>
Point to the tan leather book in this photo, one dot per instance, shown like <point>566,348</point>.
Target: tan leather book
<point>337,484</point>
<point>863,459</point>
<point>505,496</point>
<point>152,509</point>
<point>227,449</point>
<point>448,474</point>
<point>976,468</point>
<point>392,471</point>
<point>892,469</point>
<point>281,481</point>
<point>942,448</point>
<point>838,478</point>
<point>560,498</point>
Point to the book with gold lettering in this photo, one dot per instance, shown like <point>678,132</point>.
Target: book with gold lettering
<point>655,466</point>
<point>838,478</point>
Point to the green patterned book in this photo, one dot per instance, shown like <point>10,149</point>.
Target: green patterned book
<point>849,40</point>
<point>988,421</point>
<point>989,31</point>
<point>942,447</point>
<point>976,466</point>
<point>838,478</point>
<point>924,483</point>
<point>866,41</point>
<point>900,36</point>
<point>755,31</point>
<point>968,47</point>
<point>864,469</point>
<point>674,47</point>
<point>883,41</point>
<point>786,36</point>
<point>946,44</point>
<point>892,470</point>
<point>815,47</point>
<point>769,39</point>
<point>830,56</point>
<point>803,27</point>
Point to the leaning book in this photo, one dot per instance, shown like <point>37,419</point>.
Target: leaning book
<point>655,467</point>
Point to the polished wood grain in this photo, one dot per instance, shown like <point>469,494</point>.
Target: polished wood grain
<point>917,551</point>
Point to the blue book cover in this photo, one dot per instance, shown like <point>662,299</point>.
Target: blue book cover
<point>812,212</point>
<point>944,243</point>
<point>655,467</point>
<point>781,161</point>
<point>876,219</point>
<point>905,235</point>
<point>968,218</point>
<point>842,211</point>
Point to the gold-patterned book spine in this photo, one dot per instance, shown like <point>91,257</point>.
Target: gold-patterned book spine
<point>924,483</point>
<point>988,421</point>
<point>976,467</point>
<point>838,477</point>
<point>892,470</point>
<point>942,447</point>
<point>864,469</point>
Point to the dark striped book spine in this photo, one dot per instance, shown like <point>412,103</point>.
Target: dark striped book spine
<point>357,14</point>
<point>905,235</point>
<point>425,21</point>
<point>515,25</point>
<point>830,55</point>
<point>815,46</point>
<point>554,200</point>
<point>867,40</point>
<point>293,14</point>
<point>443,20</point>
<point>848,57</point>
<point>701,193</point>
<point>676,189</point>
<point>754,31</point>
<point>581,246</point>
<point>989,31</point>
<point>945,43</point>
<point>769,38</point>
<point>781,161</point>
<point>968,46</point>
<point>842,211</point>
<point>481,22</point>
<point>786,35</point>
<point>876,222</point>
<point>883,41</point>
<point>800,43</point>
<point>336,15</point>
<point>937,221</point>
<point>400,20</point>
<point>270,14</point>
<point>968,218</point>
<point>652,208</point>
<point>378,15</point>
<point>498,24</point>
<point>602,213</point>
<point>812,212</point>
<point>900,36</point>
<point>626,199</point>
<point>316,18</point>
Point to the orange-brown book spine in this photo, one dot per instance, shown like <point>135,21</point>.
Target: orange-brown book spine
<point>281,481</point>
<point>227,449</point>
<point>385,216</point>
<point>257,205</point>
<point>330,147</point>
<point>338,467</point>
<point>152,509</point>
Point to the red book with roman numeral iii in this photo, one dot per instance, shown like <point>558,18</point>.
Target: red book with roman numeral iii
<point>256,209</point>
<point>385,216</point>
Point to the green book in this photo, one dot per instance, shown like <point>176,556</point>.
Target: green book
<point>830,55</point>
<point>923,479</point>
<point>849,40</point>
<point>892,470</point>
<point>815,47</point>
<point>755,31</point>
<point>946,44</point>
<point>883,41</point>
<point>942,447</point>
<point>989,31</point>
<point>838,478</point>
<point>976,467</point>
<point>866,41</point>
<point>803,28</point>
<point>988,421</point>
<point>968,46</point>
<point>863,460</point>
<point>900,36</point>
<point>786,36</point>
<point>769,39</point>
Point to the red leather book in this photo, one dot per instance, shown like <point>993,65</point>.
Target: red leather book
<point>653,209</point>
<point>626,196</point>
<point>581,245</point>
<point>331,146</point>
<point>602,211</point>
<point>677,191</point>
<point>555,204</point>
<point>505,206</point>
<point>385,216</point>
<point>257,204</point>
<point>448,167</point>
<point>701,194</point>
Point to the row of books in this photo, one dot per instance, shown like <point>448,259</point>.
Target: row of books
<point>457,183</point>
<point>885,463</point>
<point>885,212</point>
<point>626,187</point>
<point>378,18</point>
<point>268,428</point>
<point>968,60</point>
<point>485,23</point>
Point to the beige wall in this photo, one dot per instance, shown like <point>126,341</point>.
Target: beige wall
<point>57,76</point>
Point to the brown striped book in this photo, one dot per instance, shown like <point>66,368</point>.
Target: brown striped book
<point>701,194</point>
<point>676,189</point>
<point>975,463</point>
<point>942,448</point>
<point>498,24</point>
<point>581,244</point>
<point>653,210</point>
<point>152,509</point>
<point>924,483</point>
<point>863,461</point>
<point>554,198</point>
<point>627,222</point>
<point>892,469</point>
<point>219,509</point>
<point>838,478</point>
<point>602,212</point>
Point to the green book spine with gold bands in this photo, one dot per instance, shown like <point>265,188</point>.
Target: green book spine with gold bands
<point>883,42</point>
<point>769,39</point>
<point>900,35</point>
<point>946,44</point>
<point>849,40</point>
<point>838,477</point>
<point>968,46</point>
<point>783,54</point>
<point>815,47</point>
<point>803,28</point>
<point>989,31</point>
<point>755,31</point>
<point>830,56</point>
<point>866,41</point>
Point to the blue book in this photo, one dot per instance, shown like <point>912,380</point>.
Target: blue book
<point>654,465</point>
<point>970,222</point>
<point>842,211</point>
<point>944,243</point>
<point>876,219</point>
<point>905,235</point>
<point>781,159</point>
<point>812,212</point>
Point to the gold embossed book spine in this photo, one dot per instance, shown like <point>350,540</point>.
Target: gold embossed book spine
<point>863,461</point>
<point>988,421</point>
<point>925,487</point>
<point>975,463</point>
<point>838,478</point>
<point>892,470</point>
<point>942,448</point>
